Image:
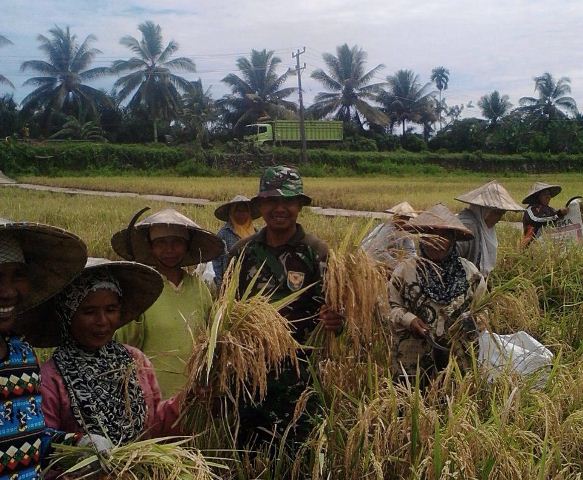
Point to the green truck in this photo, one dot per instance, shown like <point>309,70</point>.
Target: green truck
<point>288,131</point>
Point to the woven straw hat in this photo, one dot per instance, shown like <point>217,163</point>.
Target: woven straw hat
<point>404,209</point>
<point>438,218</point>
<point>133,243</point>
<point>491,195</point>
<point>538,187</point>
<point>53,257</point>
<point>140,285</point>
<point>222,211</point>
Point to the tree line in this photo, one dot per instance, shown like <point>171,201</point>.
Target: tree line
<point>150,98</point>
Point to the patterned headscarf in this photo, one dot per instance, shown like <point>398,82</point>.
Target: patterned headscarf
<point>445,280</point>
<point>106,397</point>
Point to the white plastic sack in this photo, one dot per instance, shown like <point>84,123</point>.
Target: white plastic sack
<point>518,353</point>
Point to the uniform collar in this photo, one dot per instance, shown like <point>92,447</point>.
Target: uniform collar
<point>294,240</point>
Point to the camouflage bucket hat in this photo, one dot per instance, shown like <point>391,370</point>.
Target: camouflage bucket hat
<point>282,181</point>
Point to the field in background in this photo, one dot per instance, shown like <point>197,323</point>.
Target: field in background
<point>356,193</point>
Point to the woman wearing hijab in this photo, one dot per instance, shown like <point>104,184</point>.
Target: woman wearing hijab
<point>92,383</point>
<point>36,261</point>
<point>487,206</point>
<point>431,297</point>
<point>238,215</point>
<point>539,213</point>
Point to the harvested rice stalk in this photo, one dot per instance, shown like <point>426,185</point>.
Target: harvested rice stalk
<point>355,286</point>
<point>155,459</point>
<point>246,338</point>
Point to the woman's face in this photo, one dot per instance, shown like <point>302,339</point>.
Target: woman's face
<point>436,247</point>
<point>544,197</point>
<point>14,287</point>
<point>96,319</point>
<point>241,213</point>
<point>493,216</point>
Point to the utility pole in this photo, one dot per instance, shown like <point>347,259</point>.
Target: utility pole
<point>299,69</point>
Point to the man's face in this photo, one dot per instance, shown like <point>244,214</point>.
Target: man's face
<point>14,287</point>
<point>280,213</point>
<point>169,251</point>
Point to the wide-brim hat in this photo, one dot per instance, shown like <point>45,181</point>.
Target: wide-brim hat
<point>222,211</point>
<point>140,286</point>
<point>281,181</point>
<point>403,209</point>
<point>437,219</point>
<point>52,255</point>
<point>491,195</point>
<point>538,187</point>
<point>133,243</point>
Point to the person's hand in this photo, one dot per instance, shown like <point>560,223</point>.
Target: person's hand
<point>331,320</point>
<point>563,211</point>
<point>419,327</point>
<point>100,443</point>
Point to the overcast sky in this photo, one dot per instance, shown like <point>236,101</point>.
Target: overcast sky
<point>487,45</point>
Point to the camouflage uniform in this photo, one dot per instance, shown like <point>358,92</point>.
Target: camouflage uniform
<point>286,269</point>
<point>450,324</point>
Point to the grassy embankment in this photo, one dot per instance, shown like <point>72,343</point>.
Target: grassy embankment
<point>357,193</point>
<point>463,427</point>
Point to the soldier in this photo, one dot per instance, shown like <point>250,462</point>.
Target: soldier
<point>291,259</point>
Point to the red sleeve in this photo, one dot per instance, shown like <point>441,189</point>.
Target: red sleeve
<point>51,395</point>
<point>162,415</point>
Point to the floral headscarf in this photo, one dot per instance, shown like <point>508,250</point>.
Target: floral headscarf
<point>106,397</point>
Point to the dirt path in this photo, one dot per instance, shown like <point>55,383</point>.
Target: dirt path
<point>331,212</point>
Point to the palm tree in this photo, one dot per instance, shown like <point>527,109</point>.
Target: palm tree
<point>406,99</point>
<point>440,76</point>
<point>257,93</point>
<point>553,101</point>
<point>74,129</point>
<point>3,79</point>
<point>60,86</point>
<point>494,106</point>
<point>351,90</point>
<point>151,84</point>
<point>199,111</point>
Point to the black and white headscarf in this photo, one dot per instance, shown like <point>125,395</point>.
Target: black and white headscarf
<point>442,281</point>
<point>103,386</point>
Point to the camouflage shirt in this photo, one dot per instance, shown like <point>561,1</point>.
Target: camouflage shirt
<point>287,268</point>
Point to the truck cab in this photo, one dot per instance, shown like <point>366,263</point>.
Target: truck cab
<point>259,133</point>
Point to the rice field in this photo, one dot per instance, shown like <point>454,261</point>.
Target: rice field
<point>462,426</point>
<point>357,193</point>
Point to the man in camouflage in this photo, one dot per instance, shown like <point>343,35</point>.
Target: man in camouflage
<point>292,260</point>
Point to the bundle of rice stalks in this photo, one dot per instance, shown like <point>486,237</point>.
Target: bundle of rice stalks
<point>154,459</point>
<point>246,338</point>
<point>355,286</point>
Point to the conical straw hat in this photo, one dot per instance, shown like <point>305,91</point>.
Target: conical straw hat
<point>404,209</point>
<point>53,257</point>
<point>140,285</point>
<point>491,195</point>
<point>222,211</point>
<point>438,218</point>
<point>203,246</point>
<point>539,187</point>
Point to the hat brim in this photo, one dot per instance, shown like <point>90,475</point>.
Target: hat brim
<point>459,233</point>
<point>203,246</point>
<point>532,198</point>
<point>53,257</point>
<point>140,285</point>
<point>222,212</point>
<point>305,200</point>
